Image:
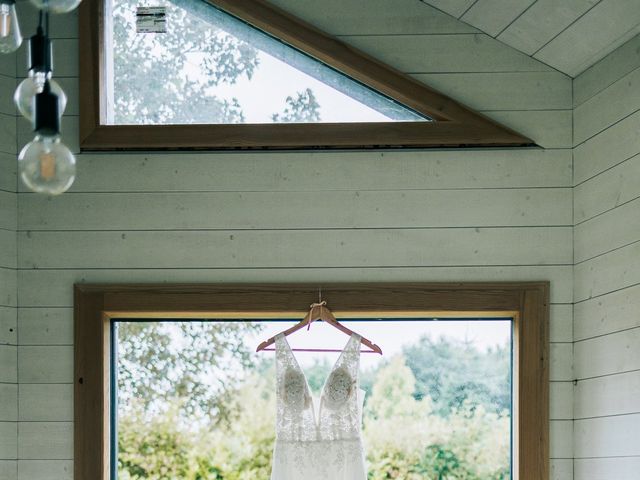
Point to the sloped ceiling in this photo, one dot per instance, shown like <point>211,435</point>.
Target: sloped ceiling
<point>569,35</point>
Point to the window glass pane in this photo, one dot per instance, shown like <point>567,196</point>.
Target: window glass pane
<point>194,400</point>
<point>211,68</point>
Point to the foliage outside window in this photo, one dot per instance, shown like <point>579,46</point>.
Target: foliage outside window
<point>195,402</point>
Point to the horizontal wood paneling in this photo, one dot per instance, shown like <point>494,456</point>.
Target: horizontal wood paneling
<point>9,247</point>
<point>8,293</point>
<point>453,7</point>
<point>297,248</point>
<point>8,134</point>
<point>46,402</point>
<point>607,437</point>
<point>608,190</point>
<point>45,440</point>
<point>45,470</point>
<point>9,469</point>
<point>561,327</point>
<point>561,362</point>
<point>8,326</point>
<point>607,107</point>
<point>9,362</point>
<point>598,32</point>
<point>606,72</point>
<point>620,468</point>
<point>54,288</point>
<point>610,395</point>
<point>609,354</point>
<point>45,364</point>
<point>432,53</point>
<point>8,440</point>
<point>608,231</point>
<point>493,16</point>
<point>607,273</point>
<point>316,171</point>
<point>8,167</point>
<point>505,91</point>
<point>362,17</point>
<point>548,128</point>
<point>610,313</point>
<point>8,402</point>
<point>51,326</point>
<point>561,400</point>
<point>561,469</point>
<point>8,210</point>
<point>542,22</point>
<point>272,210</point>
<point>561,438</point>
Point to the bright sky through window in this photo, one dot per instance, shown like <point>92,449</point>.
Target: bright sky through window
<point>210,67</point>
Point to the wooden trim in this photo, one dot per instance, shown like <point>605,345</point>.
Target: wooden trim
<point>527,302</point>
<point>456,125</point>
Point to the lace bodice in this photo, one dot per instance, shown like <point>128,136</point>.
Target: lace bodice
<point>323,444</point>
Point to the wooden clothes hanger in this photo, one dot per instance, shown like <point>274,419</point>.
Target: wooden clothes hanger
<point>318,311</point>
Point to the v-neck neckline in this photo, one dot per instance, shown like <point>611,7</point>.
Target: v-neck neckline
<point>317,414</point>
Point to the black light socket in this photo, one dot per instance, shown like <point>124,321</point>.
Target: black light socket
<point>46,121</point>
<point>40,56</point>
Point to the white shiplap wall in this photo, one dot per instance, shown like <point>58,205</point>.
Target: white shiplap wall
<point>451,215</point>
<point>8,274</point>
<point>607,272</point>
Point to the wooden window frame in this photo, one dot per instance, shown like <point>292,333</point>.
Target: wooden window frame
<point>455,125</point>
<point>526,302</point>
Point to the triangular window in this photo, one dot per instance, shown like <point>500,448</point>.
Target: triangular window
<point>238,74</point>
<point>210,67</point>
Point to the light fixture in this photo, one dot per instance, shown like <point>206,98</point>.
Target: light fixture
<point>40,64</point>
<point>10,36</point>
<point>56,6</point>
<point>46,165</point>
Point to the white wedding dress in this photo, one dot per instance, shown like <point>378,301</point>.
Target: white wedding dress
<point>326,446</point>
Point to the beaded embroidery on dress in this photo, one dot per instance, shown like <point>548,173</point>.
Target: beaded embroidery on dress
<point>323,446</point>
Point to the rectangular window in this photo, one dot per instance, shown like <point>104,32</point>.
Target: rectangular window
<point>192,399</point>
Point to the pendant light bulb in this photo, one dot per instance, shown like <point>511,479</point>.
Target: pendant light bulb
<point>47,166</point>
<point>56,6</point>
<point>10,36</point>
<point>27,90</point>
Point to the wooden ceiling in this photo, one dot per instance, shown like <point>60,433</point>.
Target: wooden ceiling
<point>569,35</point>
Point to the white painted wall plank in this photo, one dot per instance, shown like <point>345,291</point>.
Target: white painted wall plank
<point>8,133</point>
<point>561,469</point>
<point>298,248</point>
<point>619,468</point>
<point>547,128</point>
<point>9,362</point>
<point>42,402</point>
<point>45,470</point>
<point>8,248</point>
<point>542,22</point>
<point>610,395</point>
<point>607,273</point>
<point>8,402</point>
<point>45,440</point>
<point>8,296</point>
<point>607,71</point>
<point>8,167</point>
<point>51,326</point>
<point>608,437</point>
<point>8,440</point>
<point>362,17</point>
<point>610,354</point>
<point>600,31</point>
<point>493,16</point>
<point>611,188</point>
<point>8,469</point>
<point>611,147</point>
<point>315,171</point>
<point>561,439</point>
<point>453,7</point>
<point>8,326</point>
<point>609,313</point>
<point>504,91</point>
<point>298,210</point>
<point>54,288</point>
<point>8,210</point>
<point>608,231</point>
<point>609,106</point>
<point>561,328</point>
<point>432,53</point>
<point>561,401</point>
<point>561,362</point>
<point>45,364</point>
